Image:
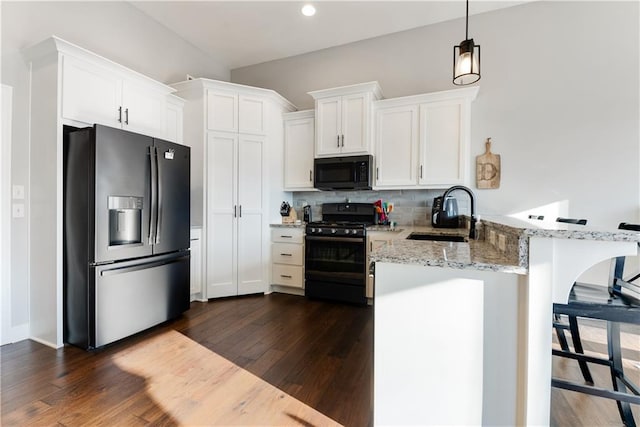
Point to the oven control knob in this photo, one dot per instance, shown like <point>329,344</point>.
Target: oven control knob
<point>333,231</point>
<point>313,230</point>
<point>347,231</point>
<point>319,230</point>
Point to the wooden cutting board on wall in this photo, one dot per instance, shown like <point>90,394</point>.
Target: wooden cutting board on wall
<point>488,168</point>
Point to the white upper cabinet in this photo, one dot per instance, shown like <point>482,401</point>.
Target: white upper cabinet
<point>91,94</point>
<point>144,109</point>
<point>444,144</point>
<point>299,132</point>
<point>95,90</point>
<point>343,119</point>
<point>175,119</point>
<point>229,111</point>
<point>422,141</point>
<point>396,146</point>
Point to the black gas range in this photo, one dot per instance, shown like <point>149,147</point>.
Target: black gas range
<point>335,252</point>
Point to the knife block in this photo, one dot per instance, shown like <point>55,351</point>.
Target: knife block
<point>291,218</point>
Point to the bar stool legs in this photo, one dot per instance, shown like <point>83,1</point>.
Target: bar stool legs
<point>617,372</point>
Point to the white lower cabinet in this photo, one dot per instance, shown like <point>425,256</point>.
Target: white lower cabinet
<point>375,239</point>
<point>234,214</point>
<point>287,257</point>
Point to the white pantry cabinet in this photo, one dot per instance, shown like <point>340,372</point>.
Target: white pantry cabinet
<point>299,133</point>
<point>95,91</point>
<point>231,111</point>
<point>234,214</point>
<point>236,137</point>
<point>73,86</point>
<point>422,141</point>
<point>344,119</point>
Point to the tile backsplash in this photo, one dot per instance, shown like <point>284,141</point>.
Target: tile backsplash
<point>410,207</point>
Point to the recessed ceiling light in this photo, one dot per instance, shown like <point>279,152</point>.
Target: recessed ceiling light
<point>308,10</point>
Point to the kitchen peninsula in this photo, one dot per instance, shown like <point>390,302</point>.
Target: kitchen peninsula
<point>463,329</point>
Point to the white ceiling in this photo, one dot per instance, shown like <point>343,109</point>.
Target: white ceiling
<point>241,33</point>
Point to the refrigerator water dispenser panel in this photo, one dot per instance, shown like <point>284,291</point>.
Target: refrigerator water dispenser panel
<point>125,221</point>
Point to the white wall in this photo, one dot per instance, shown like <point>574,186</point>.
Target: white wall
<point>115,30</point>
<point>559,96</point>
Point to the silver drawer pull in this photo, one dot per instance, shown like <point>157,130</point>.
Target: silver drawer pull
<point>286,276</point>
<point>287,237</point>
<point>286,254</point>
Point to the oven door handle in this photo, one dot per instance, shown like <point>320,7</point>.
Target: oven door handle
<point>336,239</point>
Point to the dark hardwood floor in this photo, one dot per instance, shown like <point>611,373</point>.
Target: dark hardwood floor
<point>320,353</point>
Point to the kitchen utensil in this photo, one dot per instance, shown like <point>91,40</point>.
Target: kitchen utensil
<point>488,168</point>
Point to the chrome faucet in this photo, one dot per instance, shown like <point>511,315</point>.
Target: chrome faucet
<point>472,224</point>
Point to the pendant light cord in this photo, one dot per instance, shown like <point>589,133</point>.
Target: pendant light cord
<point>466,31</point>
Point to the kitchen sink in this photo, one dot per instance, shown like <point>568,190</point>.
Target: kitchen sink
<point>437,237</point>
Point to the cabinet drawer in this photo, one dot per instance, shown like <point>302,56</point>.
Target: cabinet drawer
<point>287,253</point>
<point>288,275</point>
<point>287,235</point>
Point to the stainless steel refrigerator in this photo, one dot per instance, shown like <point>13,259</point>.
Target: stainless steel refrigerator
<point>126,233</point>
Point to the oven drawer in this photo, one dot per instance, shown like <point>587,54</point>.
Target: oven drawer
<point>287,253</point>
<point>287,235</point>
<point>288,275</point>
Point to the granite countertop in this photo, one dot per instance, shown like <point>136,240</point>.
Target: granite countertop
<point>480,254</point>
<point>474,254</point>
<point>536,228</point>
<point>301,225</point>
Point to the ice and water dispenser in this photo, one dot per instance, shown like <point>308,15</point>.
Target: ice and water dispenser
<point>125,220</point>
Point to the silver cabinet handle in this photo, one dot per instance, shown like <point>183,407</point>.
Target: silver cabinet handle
<point>420,171</point>
<point>126,116</point>
<point>338,141</point>
<point>287,237</point>
<point>343,140</point>
<point>310,175</point>
<point>377,173</point>
<point>286,254</point>
<point>240,211</point>
<point>120,114</point>
<point>234,211</point>
<point>286,276</point>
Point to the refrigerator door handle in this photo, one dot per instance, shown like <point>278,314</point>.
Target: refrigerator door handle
<point>139,267</point>
<point>152,216</point>
<point>159,203</point>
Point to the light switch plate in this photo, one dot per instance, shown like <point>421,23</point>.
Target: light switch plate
<point>18,191</point>
<point>18,210</point>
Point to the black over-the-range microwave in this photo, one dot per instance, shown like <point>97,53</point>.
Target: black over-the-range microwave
<point>343,173</point>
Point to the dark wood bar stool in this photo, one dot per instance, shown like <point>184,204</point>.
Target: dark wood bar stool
<point>617,303</point>
<point>572,324</point>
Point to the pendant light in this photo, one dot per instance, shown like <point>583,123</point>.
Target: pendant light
<point>466,59</point>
